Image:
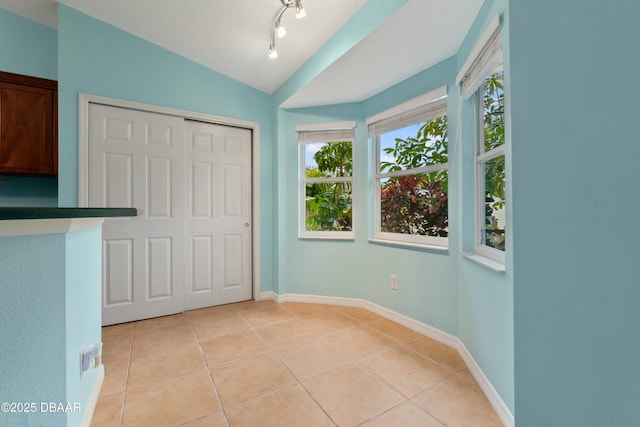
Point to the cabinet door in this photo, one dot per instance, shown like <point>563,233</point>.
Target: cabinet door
<point>26,129</point>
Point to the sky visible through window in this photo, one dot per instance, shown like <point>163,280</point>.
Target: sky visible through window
<point>386,140</point>
<point>389,140</point>
<point>310,150</point>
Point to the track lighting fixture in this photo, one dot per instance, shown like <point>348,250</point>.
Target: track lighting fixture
<point>278,28</point>
<point>273,53</point>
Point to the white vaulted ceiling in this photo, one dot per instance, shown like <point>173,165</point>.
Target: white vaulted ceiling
<point>232,38</point>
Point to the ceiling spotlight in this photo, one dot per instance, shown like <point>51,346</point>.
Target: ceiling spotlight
<point>300,13</point>
<point>278,28</point>
<point>273,53</point>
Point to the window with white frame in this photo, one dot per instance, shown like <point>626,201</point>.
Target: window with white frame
<point>411,172</point>
<point>483,81</point>
<point>490,163</point>
<point>326,180</point>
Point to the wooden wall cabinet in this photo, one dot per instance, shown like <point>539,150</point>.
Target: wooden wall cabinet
<point>28,125</point>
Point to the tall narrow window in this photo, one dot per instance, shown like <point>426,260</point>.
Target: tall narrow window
<point>483,84</point>
<point>411,176</point>
<point>326,181</point>
<point>490,163</point>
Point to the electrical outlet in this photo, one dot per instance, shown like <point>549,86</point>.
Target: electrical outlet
<point>91,358</point>
<point>394,282</point>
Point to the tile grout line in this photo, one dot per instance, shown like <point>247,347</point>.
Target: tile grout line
<point>268,350</point>
<point>298,381</point>
<point>423,356</point>
<point>358,362</point>
<point>126,382</point>
<point>398,343</point>
<point>206,364</point>
<point>352,362</point>
<point>407,398</point>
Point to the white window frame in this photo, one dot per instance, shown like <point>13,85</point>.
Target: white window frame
<point>484,59</point>
<point>324,133</point>
<point>426,107</point>
<point>481,157</point>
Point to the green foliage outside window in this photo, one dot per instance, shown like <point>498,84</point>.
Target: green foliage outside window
<point>414,204</point>
<point>494,170</point>
<point>417,203</point>
<point>328,204</point>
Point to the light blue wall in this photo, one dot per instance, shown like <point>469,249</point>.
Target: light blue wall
<point>370,16</point>
<point>49,313</point>
<point>32,326</point>
<point>574,66</point>
<point>28,48</point>
<point>360,269</point>
<point>355,269</point>
<point>431,295</point>
<point>440,289</point>
<point>485,298</point>
<point>83,315</point>
<point>570,292</point>
<point>98,59</point>
<point>443,290</point>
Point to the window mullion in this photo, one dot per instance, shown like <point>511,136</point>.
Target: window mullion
<point>415,171</point>
<point>495,152</point>
<point>328,179</point>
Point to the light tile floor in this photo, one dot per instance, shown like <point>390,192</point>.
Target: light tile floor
<point>290,364</point>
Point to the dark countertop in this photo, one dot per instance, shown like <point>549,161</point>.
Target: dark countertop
<point>49,213</point>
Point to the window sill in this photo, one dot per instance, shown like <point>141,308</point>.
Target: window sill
<point>408,245</point>
<point>325,237</point>
<point>485,262</point>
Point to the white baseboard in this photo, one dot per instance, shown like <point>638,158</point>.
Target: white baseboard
<point>494,398</point>
<point>268,295</point>
<point>410,323</point>
<point>498,404</point>
<point>93,399</point>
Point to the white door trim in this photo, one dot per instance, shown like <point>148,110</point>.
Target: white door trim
<point>83,158</point>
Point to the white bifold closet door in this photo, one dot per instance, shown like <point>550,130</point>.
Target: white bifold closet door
<point>218,214</point>
<point>190,245</point>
